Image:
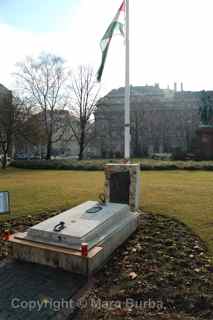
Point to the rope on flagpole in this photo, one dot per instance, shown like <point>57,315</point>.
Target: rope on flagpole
<point>127,89</point>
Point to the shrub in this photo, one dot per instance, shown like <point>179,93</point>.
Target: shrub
<point>58,165</point>
<point>98,165</point>
<point>158,166</point>
<point>161,156</point>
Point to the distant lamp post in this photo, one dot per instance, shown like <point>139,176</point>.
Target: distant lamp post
<point>4,202</point>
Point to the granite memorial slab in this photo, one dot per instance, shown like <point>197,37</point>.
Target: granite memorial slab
<point>79,225</point>
<point>82,238</point>
<point>58,241</point>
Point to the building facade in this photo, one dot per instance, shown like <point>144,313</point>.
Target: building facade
<point>161,120</point>
<point>64,143</point>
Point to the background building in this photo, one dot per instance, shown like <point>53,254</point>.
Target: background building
<point>3,90</point>
<point>161,121</point>
<point>33,145</point>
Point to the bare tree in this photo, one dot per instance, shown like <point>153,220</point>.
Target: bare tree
<point>12,114</point>
<point>41,82</point>
<point>31,136</point>
<point>84,93</point>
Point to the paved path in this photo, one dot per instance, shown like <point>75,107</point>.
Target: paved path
<point>23,286</point>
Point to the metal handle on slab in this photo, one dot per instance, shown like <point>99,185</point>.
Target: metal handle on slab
<point>59,227</point>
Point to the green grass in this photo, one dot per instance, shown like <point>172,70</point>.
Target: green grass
<point>46,191</point>
<point>186,195</point>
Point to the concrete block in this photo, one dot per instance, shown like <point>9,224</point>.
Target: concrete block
<point>104,231</point>
<point>80,226</point>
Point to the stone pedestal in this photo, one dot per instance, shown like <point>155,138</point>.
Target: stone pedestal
<point>122,184</point>
<point>205,143</point>
<point>103,230</point>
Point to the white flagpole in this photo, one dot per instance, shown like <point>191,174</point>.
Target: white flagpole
<point>127,91</point>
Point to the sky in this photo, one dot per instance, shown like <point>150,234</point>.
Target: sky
<point>170,40</point>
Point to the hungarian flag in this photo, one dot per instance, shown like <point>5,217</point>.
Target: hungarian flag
<point>116,27</point>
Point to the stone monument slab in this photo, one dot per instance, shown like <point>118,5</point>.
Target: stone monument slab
<point>57,242</point>
<point>79,225</point>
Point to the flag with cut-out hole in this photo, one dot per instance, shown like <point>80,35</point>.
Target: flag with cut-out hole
<point>115,27</point>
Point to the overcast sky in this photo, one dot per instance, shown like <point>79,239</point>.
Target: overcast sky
<point>171,40</point>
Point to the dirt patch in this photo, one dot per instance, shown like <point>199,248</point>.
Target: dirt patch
<point>162,272</point>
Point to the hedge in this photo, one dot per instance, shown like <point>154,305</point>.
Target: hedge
<point>57,165</point>
<point>98,165</point>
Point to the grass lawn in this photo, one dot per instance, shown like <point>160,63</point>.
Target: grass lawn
<point>186,195</point>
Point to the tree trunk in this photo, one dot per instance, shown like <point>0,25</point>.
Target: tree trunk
<point>81,151</point>
<point>4,161</point>
<point>49,149</point>
<point>81,145</point>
